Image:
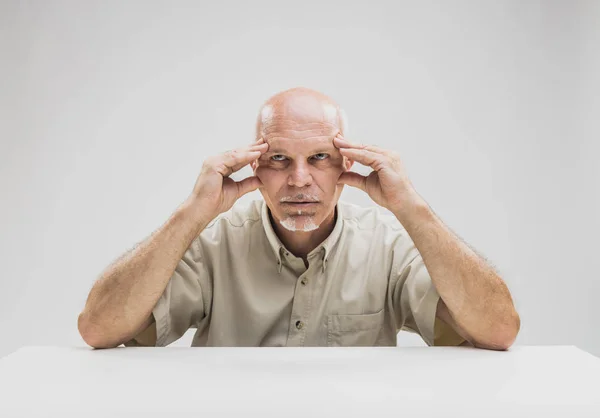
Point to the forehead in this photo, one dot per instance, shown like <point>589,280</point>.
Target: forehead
<point>296,115</point>
<point>299,124</point>
<point>292,129</point>
<point>302,109</point>
<point>295,144</point>
<point>297,134</point>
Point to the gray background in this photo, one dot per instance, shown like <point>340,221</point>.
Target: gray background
<point>107,110</point>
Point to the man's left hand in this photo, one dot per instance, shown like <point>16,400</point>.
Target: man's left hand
<point>388,185</point>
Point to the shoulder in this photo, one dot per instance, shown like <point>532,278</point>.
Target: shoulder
<point>379,227</point>
<point>239,215</point>
<point>373,218</point>
<point>242,217</point>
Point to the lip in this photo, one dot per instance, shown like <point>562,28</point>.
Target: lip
<point>299,203</point>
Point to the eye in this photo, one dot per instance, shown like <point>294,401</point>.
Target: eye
<point>321,156</point>
<point>276,157</point>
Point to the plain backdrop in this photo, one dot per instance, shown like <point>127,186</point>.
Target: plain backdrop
<point>108,109</point>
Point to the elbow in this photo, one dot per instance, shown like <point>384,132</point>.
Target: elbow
<point>512,330</point>
<point>87,332</point>
<point>503,336</point>
<point>92,335</point>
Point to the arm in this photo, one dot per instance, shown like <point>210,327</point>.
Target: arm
<point>120,303</point>
<point>475,301</point>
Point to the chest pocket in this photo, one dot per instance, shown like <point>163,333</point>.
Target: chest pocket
<point>347,330</point>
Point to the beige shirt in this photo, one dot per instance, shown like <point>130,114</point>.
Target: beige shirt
<point>239,286</point>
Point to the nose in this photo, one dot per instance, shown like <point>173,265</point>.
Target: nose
<point>300,175</point>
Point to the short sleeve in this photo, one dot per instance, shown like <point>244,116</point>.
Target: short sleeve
<point>415,298</point>
<point>184,301</point>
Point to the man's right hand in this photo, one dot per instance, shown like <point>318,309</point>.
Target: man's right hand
<point>214,192</point>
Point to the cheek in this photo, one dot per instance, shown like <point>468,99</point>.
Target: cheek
<point>270,178</point>
<point>337,164</point>
<point>327,179</point>
<point>264,171</point>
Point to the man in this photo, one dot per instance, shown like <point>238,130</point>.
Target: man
<point>300,268</point>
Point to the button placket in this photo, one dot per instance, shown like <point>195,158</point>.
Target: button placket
<point>301,298</point>
<point>324,259</point>
<point>298,325</point>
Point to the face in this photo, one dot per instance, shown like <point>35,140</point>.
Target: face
<point>300,172</point>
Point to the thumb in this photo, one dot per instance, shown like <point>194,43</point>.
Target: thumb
<point>248,185</point>
<point>353,179</point>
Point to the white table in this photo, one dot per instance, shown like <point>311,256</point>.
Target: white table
<point>300,382</point>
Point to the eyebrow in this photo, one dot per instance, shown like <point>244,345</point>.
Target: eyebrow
<point>318,150</point>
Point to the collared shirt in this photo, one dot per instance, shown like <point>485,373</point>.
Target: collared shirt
<point>238,285</point>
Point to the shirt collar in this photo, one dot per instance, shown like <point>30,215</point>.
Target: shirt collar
<point>326,246</point>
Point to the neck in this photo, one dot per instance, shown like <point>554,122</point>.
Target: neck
<point>301,243</point>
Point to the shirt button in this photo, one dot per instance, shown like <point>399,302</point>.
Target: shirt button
<point>304,281</point>
<point>299,324</point>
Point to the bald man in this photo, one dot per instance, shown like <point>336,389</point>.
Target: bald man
<point>300,267</point>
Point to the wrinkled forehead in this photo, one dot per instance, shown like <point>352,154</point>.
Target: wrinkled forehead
<point>298,118</point>
<point>304,146</point>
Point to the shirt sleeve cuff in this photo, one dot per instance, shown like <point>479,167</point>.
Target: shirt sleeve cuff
<point>160,314</point>
<point>434,331</point>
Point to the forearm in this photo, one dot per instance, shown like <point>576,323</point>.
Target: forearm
<point>127,291</point>
<point>476,297</point>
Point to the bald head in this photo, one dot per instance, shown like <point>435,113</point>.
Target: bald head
<point>300,110</point>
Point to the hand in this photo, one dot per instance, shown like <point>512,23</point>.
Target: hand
<point>388,185</point>
<point>214,192</point>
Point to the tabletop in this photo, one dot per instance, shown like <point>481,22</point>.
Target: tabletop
<point>299,382</point>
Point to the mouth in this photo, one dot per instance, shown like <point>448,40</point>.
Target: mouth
<point>299,203</point>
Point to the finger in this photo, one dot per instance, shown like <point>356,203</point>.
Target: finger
<point>353,179</point>
<point>258,145</point>
<point>260,148</point>
<point>260,141</point>
<point>247,185</point>
<point>234,160</point>
<point>369,158</point>
<point>340,142</point>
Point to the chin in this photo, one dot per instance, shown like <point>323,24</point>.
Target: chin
<point>299,219</point>
<point>299,223</point>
